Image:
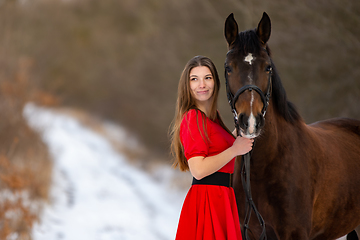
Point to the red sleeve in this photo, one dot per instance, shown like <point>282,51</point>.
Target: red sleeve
<point>192,135</point>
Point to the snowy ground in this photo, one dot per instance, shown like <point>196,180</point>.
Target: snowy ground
<point>96,194</point>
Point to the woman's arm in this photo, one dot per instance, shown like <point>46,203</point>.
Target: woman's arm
<point>201,167</point>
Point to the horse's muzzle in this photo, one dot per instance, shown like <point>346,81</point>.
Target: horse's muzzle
<point>250,126</point>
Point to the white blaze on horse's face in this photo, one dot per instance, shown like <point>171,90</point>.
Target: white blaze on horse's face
<point>249,58</point>
<point>250,132</point>
<point>252,119</point>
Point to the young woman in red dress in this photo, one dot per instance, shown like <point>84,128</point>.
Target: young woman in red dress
<point>202,144</point>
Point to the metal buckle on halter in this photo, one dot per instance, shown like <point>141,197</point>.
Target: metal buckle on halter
<point>235,114</point>
<point>264,113</point>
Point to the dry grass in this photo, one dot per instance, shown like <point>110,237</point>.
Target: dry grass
<point>25,167</point>
<point>18,208</point>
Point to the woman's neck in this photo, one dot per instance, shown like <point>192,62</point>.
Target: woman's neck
<point>205,107</point>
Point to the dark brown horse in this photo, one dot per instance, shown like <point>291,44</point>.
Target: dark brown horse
<point>305,179</point>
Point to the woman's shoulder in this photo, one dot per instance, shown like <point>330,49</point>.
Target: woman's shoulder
<point>194,114</point>
<point>193,119</point>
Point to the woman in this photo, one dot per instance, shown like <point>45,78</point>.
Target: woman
<point>202,144</point>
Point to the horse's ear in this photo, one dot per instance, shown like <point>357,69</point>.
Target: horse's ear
<point>231,30</point>
<point>264,29</point>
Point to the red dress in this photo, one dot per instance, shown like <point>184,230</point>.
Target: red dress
<point>209,212</point>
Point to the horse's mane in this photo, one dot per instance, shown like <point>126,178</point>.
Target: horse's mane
<point>248,42</point>
<point>284,107</point>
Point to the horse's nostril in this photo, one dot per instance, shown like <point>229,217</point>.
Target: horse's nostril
<point>260,121</point>
<point>243,122</point>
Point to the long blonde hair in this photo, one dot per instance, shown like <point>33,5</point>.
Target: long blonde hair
<point>185,102</point>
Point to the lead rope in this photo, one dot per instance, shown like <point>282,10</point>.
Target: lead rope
<point>250,205</point>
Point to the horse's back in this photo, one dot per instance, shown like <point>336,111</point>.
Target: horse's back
<point>343,131</point>
<point>348,125</point>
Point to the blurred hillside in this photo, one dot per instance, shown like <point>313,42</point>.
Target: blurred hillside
<point>25,166</point>
<point>122,59</point>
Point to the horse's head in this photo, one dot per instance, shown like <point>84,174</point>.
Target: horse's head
<point>248,70</point>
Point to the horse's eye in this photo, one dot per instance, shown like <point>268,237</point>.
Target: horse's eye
<point>268,68</point>
<point>228,69</point>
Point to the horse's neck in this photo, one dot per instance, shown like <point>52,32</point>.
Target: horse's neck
<point>277,132</point>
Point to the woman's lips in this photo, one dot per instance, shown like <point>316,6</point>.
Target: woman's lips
<point>203,92</point>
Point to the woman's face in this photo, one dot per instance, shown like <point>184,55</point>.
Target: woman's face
<point>202,85</point>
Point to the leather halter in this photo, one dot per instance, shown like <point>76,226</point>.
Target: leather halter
<point>265,98</point>
<point>245,163</point>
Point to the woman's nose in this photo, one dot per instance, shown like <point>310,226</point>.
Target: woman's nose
<point>201,83</point>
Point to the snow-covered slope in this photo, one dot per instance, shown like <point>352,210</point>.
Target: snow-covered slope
<point>96,194</point>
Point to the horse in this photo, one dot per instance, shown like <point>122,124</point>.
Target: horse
<point>305,179</point>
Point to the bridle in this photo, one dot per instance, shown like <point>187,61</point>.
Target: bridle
<point>265,98</point>
<point>245,163</point>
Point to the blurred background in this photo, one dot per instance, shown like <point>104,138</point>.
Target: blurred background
<point>121,60</point>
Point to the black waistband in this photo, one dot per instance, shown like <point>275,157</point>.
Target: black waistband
<point>217,178</point>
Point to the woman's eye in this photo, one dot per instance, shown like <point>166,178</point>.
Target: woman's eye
<point>208,78</point>
<point>193,79</point>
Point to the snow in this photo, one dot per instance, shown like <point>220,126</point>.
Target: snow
<point>96,194</point>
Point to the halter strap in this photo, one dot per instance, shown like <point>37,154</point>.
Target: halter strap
<point>265,98</point>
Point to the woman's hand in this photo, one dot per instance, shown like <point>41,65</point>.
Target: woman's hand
<point>242,145</point>
<point>201,166</point>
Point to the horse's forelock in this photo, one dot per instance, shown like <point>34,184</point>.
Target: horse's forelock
<point>247,42</point>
